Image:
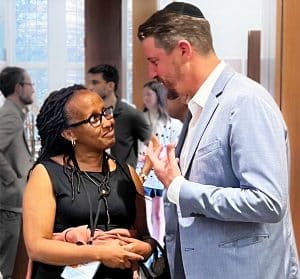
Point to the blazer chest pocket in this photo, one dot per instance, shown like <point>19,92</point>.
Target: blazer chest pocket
<point>208,148</point>
<point>244,241</point>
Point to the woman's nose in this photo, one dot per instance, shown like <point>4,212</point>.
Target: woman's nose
<point>107,122</point>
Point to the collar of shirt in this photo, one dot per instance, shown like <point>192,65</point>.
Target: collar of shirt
<point>25,110</point>
<point>22,110</point>
<point>201,96</point>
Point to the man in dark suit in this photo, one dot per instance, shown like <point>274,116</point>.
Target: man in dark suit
<point>15,160</point>
<point>130,124</point>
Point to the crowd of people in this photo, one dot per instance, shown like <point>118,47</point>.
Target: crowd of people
<point>196,170</point>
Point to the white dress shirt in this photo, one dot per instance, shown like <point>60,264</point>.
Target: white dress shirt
<point>196,105</point>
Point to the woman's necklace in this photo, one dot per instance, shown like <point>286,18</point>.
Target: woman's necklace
<point>103,187</point>
<point>103,190</point>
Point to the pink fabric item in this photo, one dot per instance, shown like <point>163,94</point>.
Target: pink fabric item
<point>82,236</point>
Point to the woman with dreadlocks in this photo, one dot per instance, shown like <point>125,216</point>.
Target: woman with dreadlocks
<point>83,211</point>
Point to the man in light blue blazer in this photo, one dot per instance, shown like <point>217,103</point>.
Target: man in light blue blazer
<point>227,206</point>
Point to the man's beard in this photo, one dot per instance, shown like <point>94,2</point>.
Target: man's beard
<point>172,94</point>
<point>26,100</point>
<point>168,85</point>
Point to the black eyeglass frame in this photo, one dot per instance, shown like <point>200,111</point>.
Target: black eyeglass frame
<point>106,112</point>
<point>26,83</point>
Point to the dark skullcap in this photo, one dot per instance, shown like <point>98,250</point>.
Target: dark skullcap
<point>184,9</point>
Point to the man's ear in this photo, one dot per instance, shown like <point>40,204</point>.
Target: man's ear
<point>185,48</point>
<point>111,86</point>
<point>68,134</point>
<point>18,88</point>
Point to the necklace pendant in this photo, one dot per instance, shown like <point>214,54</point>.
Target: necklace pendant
<point>103,187</point>
<point>103,193</point>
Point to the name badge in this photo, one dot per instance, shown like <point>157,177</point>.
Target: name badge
<point>81,271</point>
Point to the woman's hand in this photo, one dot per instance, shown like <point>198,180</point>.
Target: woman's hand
<point>117,256</point>
<point>136,246</point>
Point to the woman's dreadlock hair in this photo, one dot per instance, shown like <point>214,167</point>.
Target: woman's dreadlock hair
<point>51,121</point>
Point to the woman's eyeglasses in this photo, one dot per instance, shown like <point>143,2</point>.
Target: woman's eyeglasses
<point>95,120</point>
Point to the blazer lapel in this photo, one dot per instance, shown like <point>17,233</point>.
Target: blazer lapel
<point>183,134</point>
<point>200,127</point>
<point>207,114</point>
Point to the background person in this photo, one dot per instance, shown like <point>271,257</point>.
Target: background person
<point>228,209</point>
<point>130,125</point>
<point>15,160</point>
<point>75,183</point>
<point>166,130</point>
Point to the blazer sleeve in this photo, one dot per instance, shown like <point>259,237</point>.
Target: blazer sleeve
<point>257,152</point>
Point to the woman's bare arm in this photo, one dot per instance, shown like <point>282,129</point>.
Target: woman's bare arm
<point>39,207</point>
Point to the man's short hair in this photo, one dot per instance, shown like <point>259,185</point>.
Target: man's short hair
<point>109,73</point>
<point>177,21</point>
<point>9,78</point>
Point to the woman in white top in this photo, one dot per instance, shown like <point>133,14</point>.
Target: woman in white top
<point>166,130</point>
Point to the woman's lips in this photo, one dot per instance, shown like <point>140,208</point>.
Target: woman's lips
<point>109,134</point>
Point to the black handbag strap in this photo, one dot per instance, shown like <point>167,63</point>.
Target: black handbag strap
<point>160,257</point>
<point>160,249</point>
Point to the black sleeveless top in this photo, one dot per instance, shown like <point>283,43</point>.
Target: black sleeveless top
<point>76,212</point>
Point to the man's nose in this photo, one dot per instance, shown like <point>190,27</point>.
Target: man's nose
<point>152,71</point>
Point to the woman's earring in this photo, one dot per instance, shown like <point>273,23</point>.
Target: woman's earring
<point>73,141</point>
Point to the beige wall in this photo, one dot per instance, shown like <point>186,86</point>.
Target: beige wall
<point>141,10</point>
<point>103,33</point>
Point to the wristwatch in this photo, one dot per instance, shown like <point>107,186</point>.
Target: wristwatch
<point>143,177</point>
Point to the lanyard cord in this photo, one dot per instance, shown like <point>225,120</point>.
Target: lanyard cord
<point>104,190</point>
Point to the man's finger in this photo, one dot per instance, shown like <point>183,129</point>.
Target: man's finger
<point>153,154</point>
<point>171,152</point>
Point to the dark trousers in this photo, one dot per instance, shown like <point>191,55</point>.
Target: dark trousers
<point>10,226</point>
